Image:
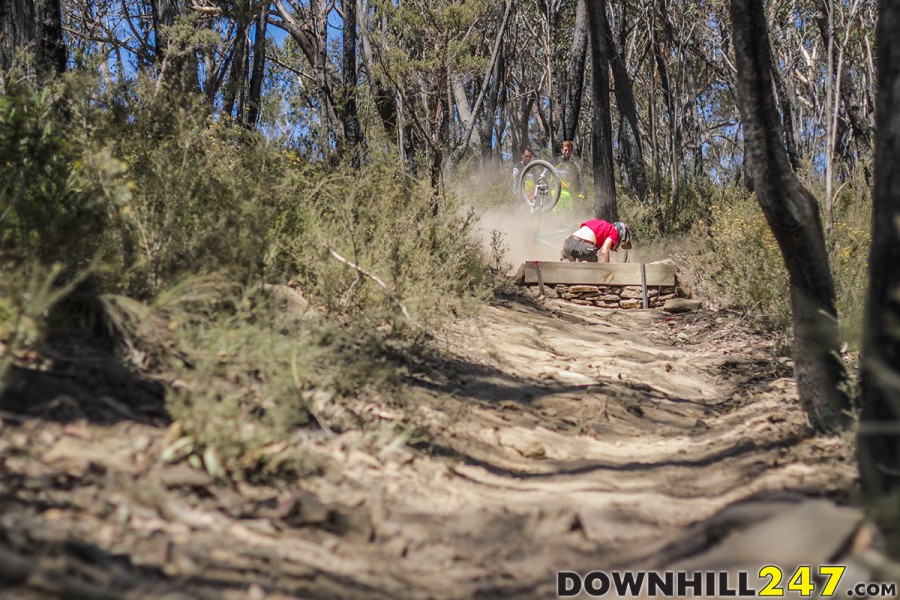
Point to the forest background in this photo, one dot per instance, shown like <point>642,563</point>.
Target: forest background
<point>169,168</point>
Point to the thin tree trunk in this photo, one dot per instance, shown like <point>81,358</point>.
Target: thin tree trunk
<point>629,131</point>
<point>482,93</point>
<point>385,98</point>
<point>879,428</point>
<point>259,67</point>
<point>575,75</point>
<point>348,111</point>
<point>787,102</point>
<point>312,36</point>
<point>238,66</point>
<point>601,140</point>
<point>462,103</point>
<point>673,140</point>
<point>793,216</point>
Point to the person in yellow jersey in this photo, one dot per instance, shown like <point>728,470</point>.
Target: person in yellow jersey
<point>570,177</point>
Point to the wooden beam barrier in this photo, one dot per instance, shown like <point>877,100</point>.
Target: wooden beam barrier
<point>600,273</point>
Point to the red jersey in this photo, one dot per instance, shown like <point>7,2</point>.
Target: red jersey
<point>602,230</point>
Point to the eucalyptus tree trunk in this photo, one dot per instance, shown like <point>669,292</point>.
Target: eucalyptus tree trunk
<point>485,124</point>
<point>787,101</point>
<point>177,66</point>
<point>353,136</point>
<point>384,97</point>
<point>36,26</point>
<point>789,104</point>
<point>254,100</point>
<point>234,88</point>
<point>879,429</point>
<point>601,139</point>
<point>673,141</point>
<point>629,130</point>
<point>553,79</point>
<point>793,215</point>
<point>463,108</point>
<point>575,73</point>
<point>311,34</point>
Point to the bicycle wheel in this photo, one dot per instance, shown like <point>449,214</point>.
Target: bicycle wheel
<point>539,186</point>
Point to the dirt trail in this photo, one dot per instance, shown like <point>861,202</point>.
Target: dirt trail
<point>543,437</point>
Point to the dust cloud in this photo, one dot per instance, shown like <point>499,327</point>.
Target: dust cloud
<point>502,218</point>
<point>525,236</point>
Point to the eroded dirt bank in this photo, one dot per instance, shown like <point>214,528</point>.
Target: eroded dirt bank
<point>539,437</point>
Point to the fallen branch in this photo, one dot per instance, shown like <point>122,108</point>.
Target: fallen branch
<point>377,280</point>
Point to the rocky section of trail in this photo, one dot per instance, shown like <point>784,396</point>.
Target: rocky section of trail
<point>535,437</point>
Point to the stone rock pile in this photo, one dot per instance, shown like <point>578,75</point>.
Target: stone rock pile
<point>617,296</point>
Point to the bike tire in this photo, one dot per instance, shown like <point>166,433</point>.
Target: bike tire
<point>539,186</point>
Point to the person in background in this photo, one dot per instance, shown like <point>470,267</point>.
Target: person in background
<point>596,237</point>
<point>571,180</point>
<point>527,157</point>
<point>518,169</point>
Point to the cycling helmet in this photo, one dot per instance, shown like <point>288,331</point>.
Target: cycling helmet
<point>624,235</point>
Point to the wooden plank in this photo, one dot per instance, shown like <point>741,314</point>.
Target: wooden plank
<point>646,303</point>
<point>537,267</point>
<point>600,273</point>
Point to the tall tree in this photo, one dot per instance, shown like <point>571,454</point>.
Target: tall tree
<point>879,432</point>
<point>347,106</point>
<point>177,64</point>
<point>235,89</point>
<point>629,131</point>
<point>601,121</point>
<point>793,216</point>
<point>36,27</point>
<point>259,66</point>
<point>575,73</point>
<point>382,93</point>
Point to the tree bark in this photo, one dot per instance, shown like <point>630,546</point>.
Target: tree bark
<point>673,141</point>
<point>793,216</point>
<point>348,111</point>
<point>36,26</point>
<point>629,131</point>
<point>575,75</point>
<point>178,68</point>
<point>787,102</point>
<point>259,67</point>
<point>462,103</point>
<point>385,98</point>
<point>879,429</point>
<point>311,34</point>
<point>238,77</point>
<point>601,140</point>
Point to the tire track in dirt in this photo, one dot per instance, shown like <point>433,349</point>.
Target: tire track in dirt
<point>542,437</point>
<point>580,440</point>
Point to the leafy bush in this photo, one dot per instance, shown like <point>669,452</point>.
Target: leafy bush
<point>849,250</point>
<point>181,223</point>
<point>739,262</point>
<point>666,216</point>
<point>46,211</point>
<point>382,221</point>
<point>200,196</point>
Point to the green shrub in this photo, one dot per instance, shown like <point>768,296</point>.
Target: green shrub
<point>737,261</point>
<point>381,220</point>
<point>850,258</point>
<point>202,195</point>
<point>46,211</point>
<point>182,220</point>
